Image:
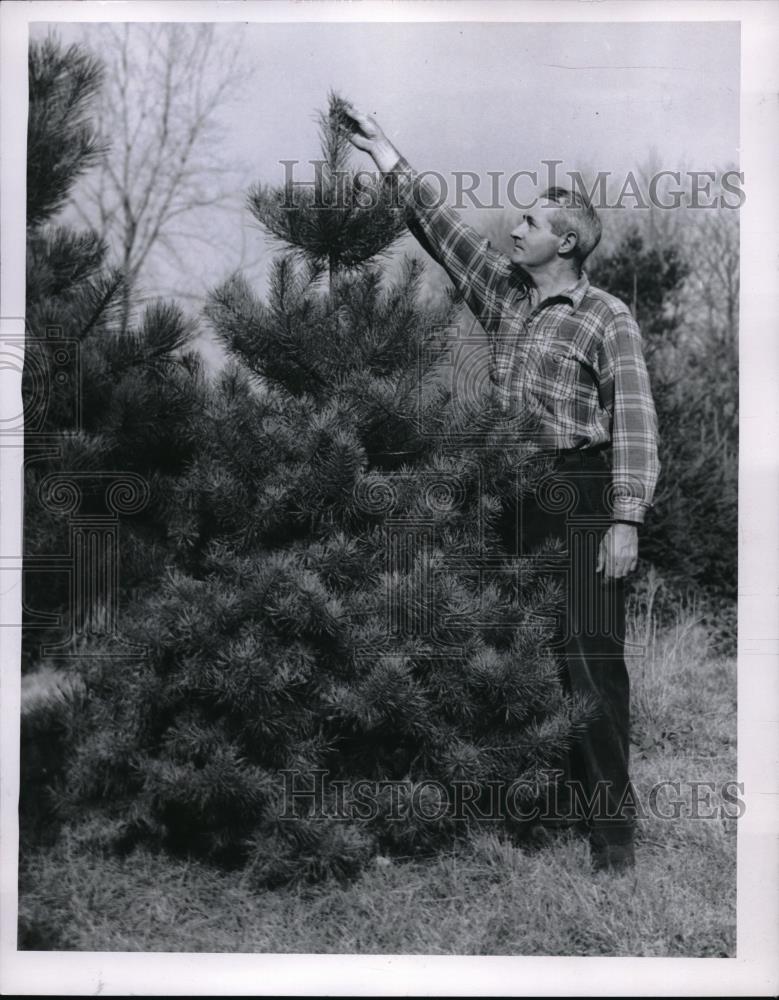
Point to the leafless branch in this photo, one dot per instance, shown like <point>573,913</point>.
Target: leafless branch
<point>166,85</point>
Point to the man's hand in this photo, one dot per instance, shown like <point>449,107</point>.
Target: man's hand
<point>366,134</point>
<point>618,554</point>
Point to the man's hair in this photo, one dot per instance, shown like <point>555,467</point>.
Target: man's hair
<point>577,215</point>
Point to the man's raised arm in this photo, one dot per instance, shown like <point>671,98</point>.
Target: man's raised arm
<point>467,257</point>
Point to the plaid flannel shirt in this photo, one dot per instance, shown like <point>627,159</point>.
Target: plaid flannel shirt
<point>571,367</point>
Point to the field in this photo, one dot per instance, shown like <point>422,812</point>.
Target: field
<point>492,898</point>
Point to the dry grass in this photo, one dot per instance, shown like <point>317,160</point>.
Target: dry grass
<point>490,898</point>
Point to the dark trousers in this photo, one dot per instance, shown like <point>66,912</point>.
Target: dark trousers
<point>570,506</point>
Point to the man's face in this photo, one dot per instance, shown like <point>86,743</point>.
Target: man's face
<point>534,242</point>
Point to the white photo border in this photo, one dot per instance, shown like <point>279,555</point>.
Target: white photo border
<point>755,970</point>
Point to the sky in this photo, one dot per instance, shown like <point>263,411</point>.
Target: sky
<point>494,96</point>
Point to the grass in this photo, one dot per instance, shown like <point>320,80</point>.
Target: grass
<point>490,898</point>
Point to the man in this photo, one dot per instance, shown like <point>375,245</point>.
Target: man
<point>567,358</point>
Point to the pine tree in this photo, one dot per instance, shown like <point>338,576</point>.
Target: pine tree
<point>97,401</point>
<point>341,608</point>
<point>110,421</point>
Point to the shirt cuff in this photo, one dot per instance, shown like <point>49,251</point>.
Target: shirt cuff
<point>628,509</point>
<point>400,182</point>
<point>402,166</point>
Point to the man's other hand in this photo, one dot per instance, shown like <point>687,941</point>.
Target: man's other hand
<point>618,554</point>
<point>366,134</point>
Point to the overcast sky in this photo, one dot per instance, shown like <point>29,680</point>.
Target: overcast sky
<point>500,96</point>
<point>495,96</point>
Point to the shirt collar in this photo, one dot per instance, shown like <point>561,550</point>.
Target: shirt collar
<point>577,291</point>
<point>574,293</point>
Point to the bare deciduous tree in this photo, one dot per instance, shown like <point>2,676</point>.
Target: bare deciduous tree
<point>714,262</point>
<point>159,113</point>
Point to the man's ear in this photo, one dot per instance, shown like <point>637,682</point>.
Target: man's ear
<point>568,243</point>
